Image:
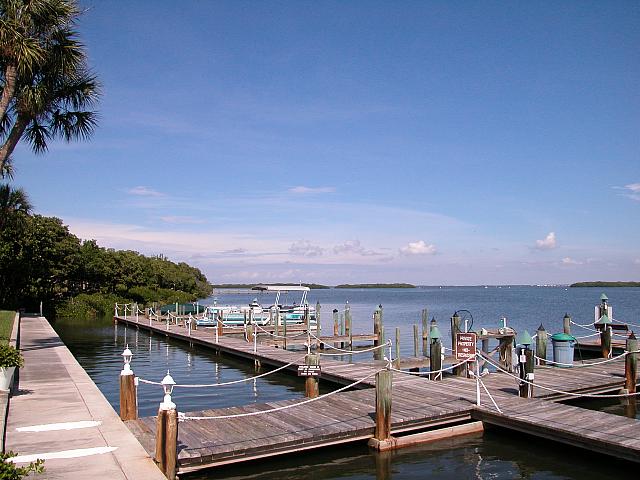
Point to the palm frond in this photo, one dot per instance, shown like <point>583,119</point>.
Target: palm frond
<point>37,135</point>
<point>73,125</point>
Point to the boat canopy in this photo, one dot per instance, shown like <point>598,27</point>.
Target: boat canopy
<point>284,288</point>
<point>281,288</point>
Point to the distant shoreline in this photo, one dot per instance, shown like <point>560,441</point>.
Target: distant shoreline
<point>316,286</point>
<point>605,284</point>
<point>375,285</point>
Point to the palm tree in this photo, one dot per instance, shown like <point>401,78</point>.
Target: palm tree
<point>13,204</point>
<point>46,84</point>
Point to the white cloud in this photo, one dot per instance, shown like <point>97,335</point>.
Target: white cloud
<point>418,248</point>
<point>548,243</point>
<point>302,190</point>
<point>632,191</point>
<point>143,191</point>
<point>353,247</point>
<point>305,248</point>
<point>570,261</point>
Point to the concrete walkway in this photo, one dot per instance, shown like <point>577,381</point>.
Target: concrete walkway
<point>59,414</point>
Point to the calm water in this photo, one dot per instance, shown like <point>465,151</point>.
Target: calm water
<point>97,344</point>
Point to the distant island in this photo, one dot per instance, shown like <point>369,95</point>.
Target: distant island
<point>376,285</point>
<point>249,286</point>
<point>605,284</point>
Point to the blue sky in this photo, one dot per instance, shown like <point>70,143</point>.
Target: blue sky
<point>333,142</point>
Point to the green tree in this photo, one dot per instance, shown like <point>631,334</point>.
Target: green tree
<point>46,84</point>
<point>14,204</point>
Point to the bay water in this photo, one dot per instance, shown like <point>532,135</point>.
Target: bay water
<point>496,454</point>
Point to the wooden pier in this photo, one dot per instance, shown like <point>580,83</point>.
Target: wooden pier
<point>421,409</point>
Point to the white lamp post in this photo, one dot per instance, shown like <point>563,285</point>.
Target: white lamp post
<point>127,355</point>
<point>167,385</point>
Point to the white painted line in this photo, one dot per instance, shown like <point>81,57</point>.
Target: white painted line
<point>58,426</point>
<point>81,452</point>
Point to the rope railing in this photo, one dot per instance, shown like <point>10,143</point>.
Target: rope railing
<point>281,336</point>
<point>561,392</point>
<point>584,365</point>
<point>355,352</point>
<point>432,372</point>
<point>223,384</point>
<point>183,417</point>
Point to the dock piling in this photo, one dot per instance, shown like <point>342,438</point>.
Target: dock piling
<point>128,395</point>
<point>566,324</point>
<point>311,383</point>
<point>435,352</point>
<point>377,327</point>
<point>541,345</point>
<point>631,364</point>
<point>167,432</point>
<point>383,405</point>
<point>425,332</point>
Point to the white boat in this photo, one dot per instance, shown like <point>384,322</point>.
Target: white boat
<point>233,315</point>
<point>255,313</point>
<point>291,314</point>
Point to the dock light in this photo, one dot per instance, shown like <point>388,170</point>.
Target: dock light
<point>167,385</point>
<point>604,320</point>
<point>127,355</point>
<point>604,298</point>
<point>524,339</point>
<point>434,333</point>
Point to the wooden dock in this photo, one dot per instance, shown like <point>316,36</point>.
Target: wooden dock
<point>418,405</point>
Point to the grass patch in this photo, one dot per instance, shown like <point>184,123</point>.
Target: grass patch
<point>6,325</point>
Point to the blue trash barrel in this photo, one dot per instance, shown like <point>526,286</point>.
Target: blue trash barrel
<point>563,349</point>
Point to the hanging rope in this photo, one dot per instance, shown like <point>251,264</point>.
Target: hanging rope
<point>280,336</point>
<point>183,417</point>
<point>355,352</point>
<point>431,372</point>
<point>248,379</point>
<point>584,364</point>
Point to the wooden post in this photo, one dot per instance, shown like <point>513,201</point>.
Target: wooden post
<point>566,324</point>
<point>311,387</point>
<point>171,444</point>
<point>455,328</point>
<point>128,406</point>
<point>526,371</point>
<point>250,333</point>
<point>377,324</point>
<point>318,323</point>
<point>415,340</point>
<point>383,405</point>
<point>167,442</point>
<point>161,433</point>
<point>220,323</point>
<point>541,344</point>
<point>277,320</point>
<point>485,351</point>
<point>605,341</point>
<point>347,324</point>
<point>505,348</point>
<point>397,347</point>
<point>425,332</point>
<point>435,357</point>
<point>284,331</point>
<point>631,365</point>
<point>336,325</point>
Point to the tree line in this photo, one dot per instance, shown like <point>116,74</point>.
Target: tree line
<point>40,260</point>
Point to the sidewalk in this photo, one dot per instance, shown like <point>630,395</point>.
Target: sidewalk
<point>59,414</point>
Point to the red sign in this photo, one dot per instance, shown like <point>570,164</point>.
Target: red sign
<point>465,346</point>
